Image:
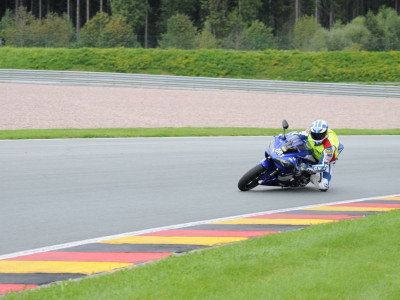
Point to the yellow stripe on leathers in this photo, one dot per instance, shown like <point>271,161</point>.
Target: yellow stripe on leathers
<point>10,266</point>
<point>349,208</point>
<point>175,240</point>
<point>388,198</point>
<point>253,221</point>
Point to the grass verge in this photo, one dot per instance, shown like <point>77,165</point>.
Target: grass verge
<point>166,132</point>
<point>353,259</point>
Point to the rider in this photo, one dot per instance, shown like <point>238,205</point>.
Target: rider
<point>325,148</point>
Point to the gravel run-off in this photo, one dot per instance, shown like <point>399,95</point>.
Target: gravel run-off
<point>24,106</point>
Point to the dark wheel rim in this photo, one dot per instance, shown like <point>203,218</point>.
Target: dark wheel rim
<point>252,184</point>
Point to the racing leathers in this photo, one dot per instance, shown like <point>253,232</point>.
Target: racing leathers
<point>326,155</point>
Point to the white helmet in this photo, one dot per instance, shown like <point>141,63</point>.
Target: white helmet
<point>319,131</point>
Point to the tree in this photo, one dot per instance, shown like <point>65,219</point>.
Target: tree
<point>389,22</point>
<point>169,8</point>
<point>180,34</point>
<point>216,12</point>
<point>206,39</point>
<point>56,31</point>
<point>18,33</point>
<point>92,32</point>
<point>105,32</point>
<point>304,32</point>
<point>78,17</point>
<point>248,10</point>
<point>336,39</point>
<point>377,34</point>
<point>357,34</point>
<point>7,21</point>
<point>258,37</point>
<point>235,28</point>
<point>118,33</point>
<point>133,10</point>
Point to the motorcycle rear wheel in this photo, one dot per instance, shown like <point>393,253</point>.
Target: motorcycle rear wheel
<point>250,179</point>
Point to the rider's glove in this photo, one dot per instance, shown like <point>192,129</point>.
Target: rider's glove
<point>310,170</point>
<point>303,167</point>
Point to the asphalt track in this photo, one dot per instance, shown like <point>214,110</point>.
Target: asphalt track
<point>59,191</point>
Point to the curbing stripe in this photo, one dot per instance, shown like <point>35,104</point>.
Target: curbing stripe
<point>6,288</point>
<point>396,198</point>
<point>96,240</point>
<point>133,257</point>
<point>129,248</point>
<point>171,240</point>
<point>305,216</point>
<point>209,233</point>
<point>18,267</point>
<point>110,253</point>
<point>36,278</point>
<point>369,204</point>
<point>265,221</point>
<point>349,208</point>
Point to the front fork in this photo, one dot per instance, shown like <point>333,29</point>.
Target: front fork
<point>272,170</point>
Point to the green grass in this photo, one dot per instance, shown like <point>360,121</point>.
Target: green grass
<point>352,259</point>
<point>165,132</point>
<point>333,66</point>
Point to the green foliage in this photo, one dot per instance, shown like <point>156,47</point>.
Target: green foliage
<point>336,39</point>
<point>20,32</point>
<point>258,37</point>
<point>216,12</point>
<point>133,10</point>
<point>248,9</point>
<point>210,24</point>
<point>357,34</point>
<point>105,32</point>
<point>170,8</point>
<point>27,31</point>
<point>206,39</point>
<point>304,31</point>
<point>180,34</point>
<point>367,25</point>
<point>6,22</point>
<point>338,66</point>
<point>92,34</point>
<point>375,42</point>
<point>236,25</point>
<point>118,33</point>
<point>389,22</point>
<point>55,31</point>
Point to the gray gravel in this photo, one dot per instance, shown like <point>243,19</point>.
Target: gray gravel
<point>56,106</point>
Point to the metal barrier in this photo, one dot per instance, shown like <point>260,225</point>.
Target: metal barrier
<point>203,83</point>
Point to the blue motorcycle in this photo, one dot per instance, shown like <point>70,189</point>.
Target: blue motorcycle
<point>281,164</point>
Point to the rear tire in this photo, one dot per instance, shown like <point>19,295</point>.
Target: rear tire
<point>250,179</point>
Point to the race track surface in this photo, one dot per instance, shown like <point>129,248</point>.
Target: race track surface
<point>30,270</point>
<point>60,191</point>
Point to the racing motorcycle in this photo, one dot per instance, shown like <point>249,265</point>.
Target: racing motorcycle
<point>281,164</point>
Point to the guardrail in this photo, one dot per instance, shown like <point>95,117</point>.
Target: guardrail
<point>203,83</point>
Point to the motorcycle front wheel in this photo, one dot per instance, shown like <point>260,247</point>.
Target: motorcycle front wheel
<point>250,179</point>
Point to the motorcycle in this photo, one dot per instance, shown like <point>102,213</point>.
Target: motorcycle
<point>281,164</point>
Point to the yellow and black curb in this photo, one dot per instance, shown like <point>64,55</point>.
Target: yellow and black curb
<point>22,272</point>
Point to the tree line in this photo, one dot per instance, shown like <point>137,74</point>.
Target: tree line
<point>310,25</point>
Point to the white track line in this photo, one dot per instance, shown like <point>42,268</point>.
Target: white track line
<point>122,235</point>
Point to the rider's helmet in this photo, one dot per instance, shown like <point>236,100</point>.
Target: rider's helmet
<point>319,131</point>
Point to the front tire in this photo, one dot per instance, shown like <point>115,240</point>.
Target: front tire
<point>250,179</point>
